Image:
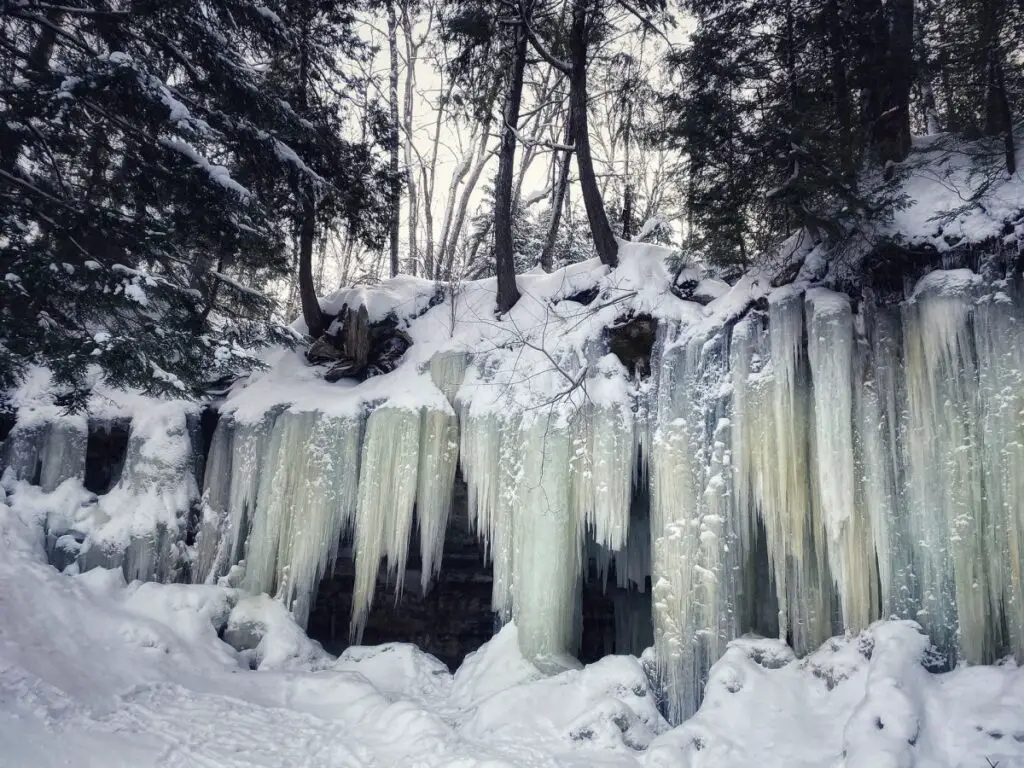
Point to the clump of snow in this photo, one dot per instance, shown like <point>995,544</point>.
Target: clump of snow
<point>267,638</point>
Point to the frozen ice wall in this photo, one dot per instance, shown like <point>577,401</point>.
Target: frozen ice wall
<point>797,466</point>
<point>877,450</point>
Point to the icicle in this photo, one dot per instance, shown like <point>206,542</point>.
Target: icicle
<point>511,457</point>
<point>771,440</point>
<point>881,427</point>
<point>250,445</point>
<point>999,340</point>
<point>696,534</point>
<point>633,562</point>
<point>873,481</point>
<point>546,560</point>
<point>947,495</point>
<point>280,484</point>
<point>603,461</point>
<point>213,539</point>
<point>439,451</point>
<point>387,494</point>
<point>324,505</point>
<point>63,454</point>
<point>850,551</point>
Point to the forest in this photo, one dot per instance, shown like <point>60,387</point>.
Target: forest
<point>179,180</point>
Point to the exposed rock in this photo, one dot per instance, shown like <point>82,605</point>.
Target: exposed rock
<point>452,619</point>
<point>7,421</point>
<point>358,348</point>
<point>243,635</point>
<point>323,350</point>
<point>632,341</point>
<point>585,296</point>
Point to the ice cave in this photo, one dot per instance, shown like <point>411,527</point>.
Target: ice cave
<point>790,461</point>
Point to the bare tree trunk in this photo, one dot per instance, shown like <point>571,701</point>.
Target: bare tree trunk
<point>547,256</point>
<point>998,115</point>
<point>604,239</point>
<point>840,90</point>
<point>427,178</point>
<point>508,293</point>
<point>627,194</point>
<point>454,230</point>
<point>411,53</point>
<point>396,182</point>
<point>311,311</point>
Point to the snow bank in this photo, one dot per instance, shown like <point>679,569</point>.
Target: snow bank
<point>102,673</point>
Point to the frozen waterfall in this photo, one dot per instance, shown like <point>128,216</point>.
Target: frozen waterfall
<point>800,468</point>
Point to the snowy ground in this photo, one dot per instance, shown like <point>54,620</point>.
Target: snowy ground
<point>94,672</point>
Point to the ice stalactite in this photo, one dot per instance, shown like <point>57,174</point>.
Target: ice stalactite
<point>947,496</point>
<point>695,533</point>
<point>999,341</point>
<point>249,448</point>
<point>604,454</point>
<point>325,509</point>
<point>439,453</point>
<point>213,540</point>
<point>387,495</point>
<point>771,414</point>
<point>491,459</point>
<point>848,528</point>
<point>306,499</point>
<point>546,566</point>
<point>281,478</point>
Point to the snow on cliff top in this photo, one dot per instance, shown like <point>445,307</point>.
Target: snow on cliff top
<point>536,345</point>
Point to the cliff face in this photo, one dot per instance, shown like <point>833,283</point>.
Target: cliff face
<point>791,460</point>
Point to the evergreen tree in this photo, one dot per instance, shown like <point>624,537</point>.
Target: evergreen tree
<point>146,153</point>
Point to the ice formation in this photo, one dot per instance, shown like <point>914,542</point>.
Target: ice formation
<point>794,466</point>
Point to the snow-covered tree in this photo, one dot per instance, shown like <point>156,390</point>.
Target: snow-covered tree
<point>147,154</point>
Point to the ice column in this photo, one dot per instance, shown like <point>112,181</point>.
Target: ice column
<point>546,546</point>
<point>696,536</point>
<point>850,547</point>
<point>387,495</point>
<point>324,507</point>
<point>947,496</point>
<point>439,453</point>
<point>213,541</point>
<point>999,340</point>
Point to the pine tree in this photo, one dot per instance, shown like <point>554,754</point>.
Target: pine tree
<point>146,159</point>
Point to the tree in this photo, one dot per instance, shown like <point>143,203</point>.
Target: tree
<point>508,293</point>
<point>145,161</point>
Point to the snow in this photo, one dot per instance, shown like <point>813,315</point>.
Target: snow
<point>104,673</point>
<point>955,195</point>
<point>813,464</point>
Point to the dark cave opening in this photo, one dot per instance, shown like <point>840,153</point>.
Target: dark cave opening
<point>452,619</point>
<point>105,451</point>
